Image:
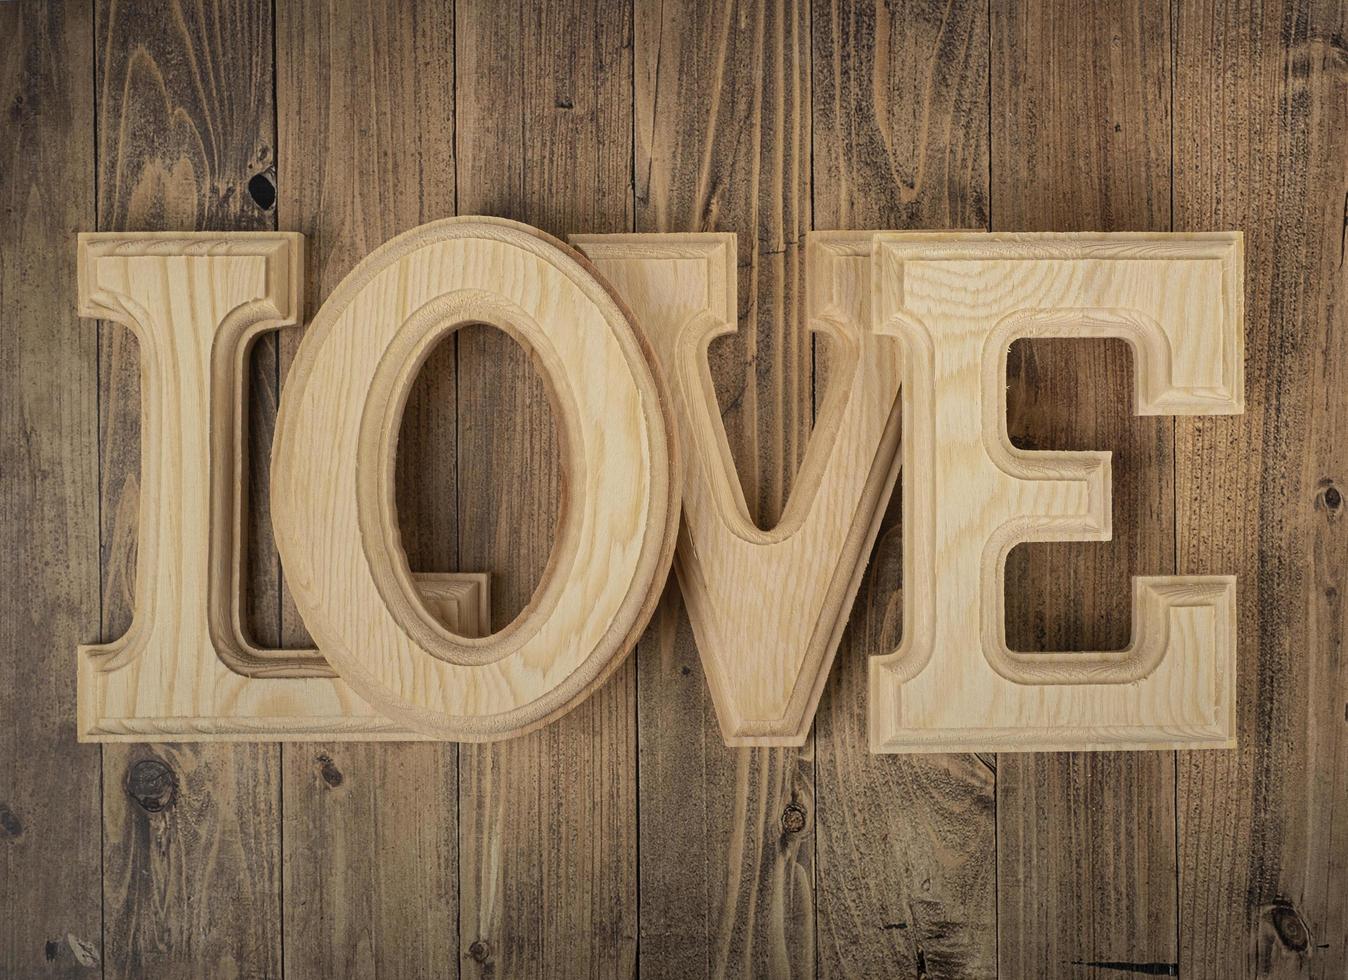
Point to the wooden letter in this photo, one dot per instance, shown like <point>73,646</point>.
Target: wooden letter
<point>956,302</point>
<point>185,670</point>
<point>768,607</point>
<point>332,480</point>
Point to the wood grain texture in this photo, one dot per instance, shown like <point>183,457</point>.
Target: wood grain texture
<point>767,607</point>
<point>336,523</point>
<point>192,860</point>
<point>723,133</point>
<point>906,843</point>
<point>1080,130</point>
<point>543,134</point>
<point>185,668</point>
<point>371,860</point>
<point>1261,140</point>
<point>922,306</point>
<point>49,786</point>
<point>905,869</point>
<point>365,117</point>
<point>185,121</point>
<point>956,303</point>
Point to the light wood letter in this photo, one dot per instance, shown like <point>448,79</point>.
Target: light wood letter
<point>957,302</point>
<point>333,489</point>
<point>185,670</point>
<point>768,607</point>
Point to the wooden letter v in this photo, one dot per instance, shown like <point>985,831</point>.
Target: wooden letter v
<point>768,607</point>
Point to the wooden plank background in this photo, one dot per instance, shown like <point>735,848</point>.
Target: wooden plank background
<point>626,839</point>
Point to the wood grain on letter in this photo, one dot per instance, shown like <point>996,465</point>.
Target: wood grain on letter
<point>767,607</point>
<point>958,301</point>
<point>333,485</point>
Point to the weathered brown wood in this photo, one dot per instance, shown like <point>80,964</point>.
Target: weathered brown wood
<point>543,134</point>
<point>371,855</point>
<point>904,854</point>
<point>366,122</point>
<point>722,130</point>
<point>1261,143</point>
<point>191,838</point>
<point>1080,139</point>
<point>906,843</point>
<point>185,121</point>
<point>49,785</point>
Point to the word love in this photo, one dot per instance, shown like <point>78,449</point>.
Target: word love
<point>919,326</point>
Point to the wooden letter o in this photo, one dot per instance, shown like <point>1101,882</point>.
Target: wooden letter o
<point>332,480</point>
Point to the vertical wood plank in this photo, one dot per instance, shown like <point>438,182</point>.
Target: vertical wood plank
<point>49,785</point>
<point>366,121</point>
<point>548,863</point>
<point>1081,139</point>
<point>723,137</point>
<point>906,843</point>
<point>1261,144</point>
<point>191,832</point>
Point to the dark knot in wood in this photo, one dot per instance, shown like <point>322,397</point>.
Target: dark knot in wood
<point>262,190</point>
<point>153,784</point>
<point>329,771</point>
<point>10,825</point>
<point>1329,499</point>
<point>793,818</point>
<point>1290,927</point>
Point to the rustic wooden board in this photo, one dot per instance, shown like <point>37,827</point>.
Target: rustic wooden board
<point>1087,863</point>
<point>548,855</point>
<point>907,844</point>
<point>49,786</point>
<point>185,120</point>
<point>1261,139</point>
<point>1096,160</point>
<point>365,114</point>
<point>723,136</point>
